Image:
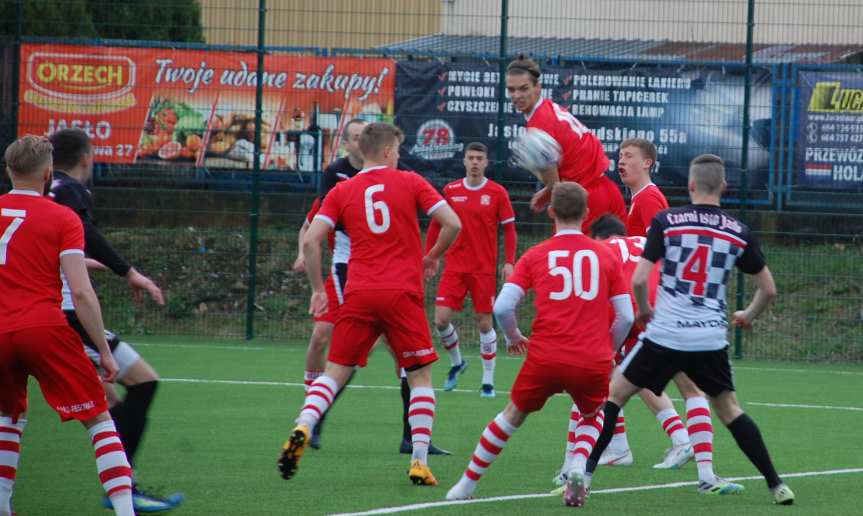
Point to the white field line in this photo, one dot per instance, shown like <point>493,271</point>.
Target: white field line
<point>649,487</point>
<point>471,391</point>
<point>196,346</point>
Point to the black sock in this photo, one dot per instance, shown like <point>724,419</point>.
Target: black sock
<point>118,412</point>
<point>611,411</point>
<point>320,425</point>
<point>134,415</point>
<point>406,403</point>
<point>749,439</point>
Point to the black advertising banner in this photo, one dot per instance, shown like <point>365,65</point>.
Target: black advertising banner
<point>830,130</point>
<point>443,106</point>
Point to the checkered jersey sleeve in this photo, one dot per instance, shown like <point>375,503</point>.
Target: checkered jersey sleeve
<point>752,260</point>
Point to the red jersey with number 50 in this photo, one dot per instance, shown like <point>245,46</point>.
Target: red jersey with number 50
<point>582,157</point>
<point>574,278</point>
<point>34,233</point>
<point>378,209</point>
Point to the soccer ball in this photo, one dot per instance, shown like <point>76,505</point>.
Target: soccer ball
<point>535,150</point>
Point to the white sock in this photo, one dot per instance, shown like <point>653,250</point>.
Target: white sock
<point>421,418</point>
<point>701,436</point>
<point>671,423</point>
<point>309,377</point>
<point>491,443</point>
<point>318,399</point>
<point>586,434</point>
<point>619,442</point>
<point>488,352</point>
<point>10,444</point>
<point>449,339</point>
<point>113,466</point>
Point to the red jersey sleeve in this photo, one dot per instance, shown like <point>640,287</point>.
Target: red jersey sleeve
<point>331,207</point>
<point>316,206</point>
<point>505,213</point>
<point>618,285</point>
<point>72,237</point>
<point>644,208</point>
<point>428,199</point>
<point>522,276</point>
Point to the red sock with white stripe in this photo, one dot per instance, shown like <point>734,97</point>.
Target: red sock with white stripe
<point>586,434</point>
<point>309,377</point>
<point>10,450</point>
<point>491,443</point>
<point>113,466</point>
<point>421,418</point>
<point>670,421</point>
<point>574,418</point>
<point>488,352</point>
<point>619,442</point>
<point>318,399</point>
<point>701,436</point>
<point>449,339</point>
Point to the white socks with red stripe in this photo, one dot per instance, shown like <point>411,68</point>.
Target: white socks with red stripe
<point>10,450</point>
<point>491,443</point>
<point>701,436</point>
<point>113,467</point>
<point>619,442</point>
<point>586,434</point>
<point>449,339</point>
<point>319,397</point>
<point>574,418</point>
<point>421,418</point>
<point>670,421</point>
<point>488,352</point>
<point>309,377</point>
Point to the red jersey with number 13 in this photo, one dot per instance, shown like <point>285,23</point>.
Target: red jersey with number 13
<point>378,209</point>
<point>35,231</point>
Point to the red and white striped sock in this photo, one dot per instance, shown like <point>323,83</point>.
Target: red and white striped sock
<point>574,418</point>
<point>318,399</point>
<point>670,421</point>
<point>309,377</point>
<point>449,339</point>
<point>10,450</point>
<point>113,466</point>
<point>618,440</point>
<point>488,352</point>
<point>701,436</point>
<point>421,418</point>
<point>586,434</point>
<point>491,443</point>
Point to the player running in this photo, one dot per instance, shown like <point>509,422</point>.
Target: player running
<point>40,238</point>
<point>582,158</point>
<point>384,293</point>
<point>570,347</point>
<point>471,262</point>
<point>699,244</point>
<point>73,167</point>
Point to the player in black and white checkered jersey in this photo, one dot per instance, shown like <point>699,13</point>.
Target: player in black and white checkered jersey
<point>699,246</point>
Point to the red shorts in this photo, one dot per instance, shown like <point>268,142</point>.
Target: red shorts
<point>536,382</point>
<point>55,356</point>
<point>397,314</point>
<point>335,293</point>
<point>603,196</point>
<point>454,286</point>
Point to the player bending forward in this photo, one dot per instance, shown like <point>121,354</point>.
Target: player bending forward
<point>570,347</point>
<point>471,262</point>
<point>40,239</point>
<point>699,244</point>
<point>384,293</point>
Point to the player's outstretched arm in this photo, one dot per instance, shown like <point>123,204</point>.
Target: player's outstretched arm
<point>312,242</point>
<point>504,311</point>
<point>95,265</point>
<point>623,319</point>
<point>549,178</point>
<point>640,280</point>
<point>300,262</point>
<point>139,283</point>
<point>450,225</point>
<point>764,294</point>
<point>87,309</point>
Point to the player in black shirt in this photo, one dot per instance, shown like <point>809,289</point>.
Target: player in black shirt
<point>73,164</point>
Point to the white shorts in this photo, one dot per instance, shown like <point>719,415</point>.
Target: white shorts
<point>124,354</point>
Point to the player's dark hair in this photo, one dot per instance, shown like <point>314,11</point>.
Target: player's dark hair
<point>345,129</point>
<point>569,201</point>
<point>647,148</point>
<point>607,226</point>
<point>476,147</point>
<point>524,66</point>
<point>70,145</point>
<point>378,135</point>
<point>27,155</point>
<point>707,171</point>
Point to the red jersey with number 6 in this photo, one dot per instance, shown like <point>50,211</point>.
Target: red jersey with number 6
<point>574,278</point>
<point>378,209</point>
<point>582,157</point>
<point>36,232</point>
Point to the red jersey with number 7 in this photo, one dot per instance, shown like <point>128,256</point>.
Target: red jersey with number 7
<point>378,209</point>
<point>34,233</point>
<point>574,278</point>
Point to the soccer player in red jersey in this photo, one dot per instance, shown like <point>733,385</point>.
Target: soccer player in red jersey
<point>583,158</point>
<point>471,262</point>
<point>570,347</point>
<point>637,157</point>
<point>384,293</point>
<point>39,239</point>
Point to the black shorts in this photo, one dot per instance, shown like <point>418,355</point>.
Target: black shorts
<point>75,323</point>
<point>651,366</point>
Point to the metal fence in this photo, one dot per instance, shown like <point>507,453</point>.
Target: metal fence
<point>212,121</point>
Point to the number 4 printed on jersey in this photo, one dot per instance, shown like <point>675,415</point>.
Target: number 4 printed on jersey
<point>696,267</point>
<point>10,230</point>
